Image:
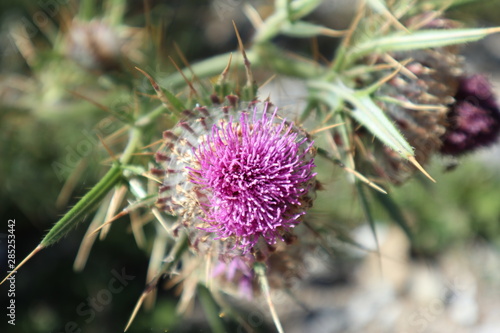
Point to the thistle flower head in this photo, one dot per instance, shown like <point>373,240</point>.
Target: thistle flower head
<point>474,119</point>
<point>240,177</point>
<point>417,102</point>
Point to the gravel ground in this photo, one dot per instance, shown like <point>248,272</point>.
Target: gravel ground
<point>391,292</point>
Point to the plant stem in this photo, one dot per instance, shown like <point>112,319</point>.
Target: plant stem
<point>265,54</point>
<point>150,117</point>
<point>133,143</point>
<point>210,307</point>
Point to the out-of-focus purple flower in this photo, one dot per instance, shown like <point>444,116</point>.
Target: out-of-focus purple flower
<point>237,270</point>
<point>240,175</point>
<point>474,119</point>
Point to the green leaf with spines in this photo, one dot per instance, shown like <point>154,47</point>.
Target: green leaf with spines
<point>392,208</point>
<point>174,101</point>
<point>85,206</point>
<point>365,112</point>
<point>365,205</point>
<point>422,39</point>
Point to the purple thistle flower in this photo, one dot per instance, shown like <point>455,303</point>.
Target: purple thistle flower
<point>474,119</point>
<point>241,177</point>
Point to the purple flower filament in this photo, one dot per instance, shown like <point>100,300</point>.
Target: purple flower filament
<point>254,173</point>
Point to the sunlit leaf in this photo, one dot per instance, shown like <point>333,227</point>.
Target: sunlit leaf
<point>419,40</point>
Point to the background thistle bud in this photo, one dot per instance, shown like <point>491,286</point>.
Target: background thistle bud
<point>94,45</point>
<point>238,175</point>
<point>474,119</point>
<point>417,103</point>
<point>417,99</point>
<point>99,46</point>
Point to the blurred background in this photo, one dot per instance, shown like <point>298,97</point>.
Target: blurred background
<point>55,54</point>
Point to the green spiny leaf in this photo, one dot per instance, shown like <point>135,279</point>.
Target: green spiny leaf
<point>365,204</point>
<point>421,39</point>
<point>84,207</point>
<point>394,212</point>
<point>367,113</point>
<point>176,103</point>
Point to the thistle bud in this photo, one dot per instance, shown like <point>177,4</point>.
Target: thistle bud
<point>424,91</point>
<point>474,119</point>
<point>94,45</point>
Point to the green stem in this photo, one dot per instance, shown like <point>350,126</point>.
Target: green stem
<point>286,12</point>
<point>133,143</point>
<point>260,270</point>
<point>150,117</point>
<point>265,55</point>
<point>205,68</point>
<point>271,57</point>
<point>115,10</point>
<point>338,62</point>
<point>211,310</point>
<point>87,8</point>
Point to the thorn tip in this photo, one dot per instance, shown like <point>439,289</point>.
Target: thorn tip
<point>413,161</point>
